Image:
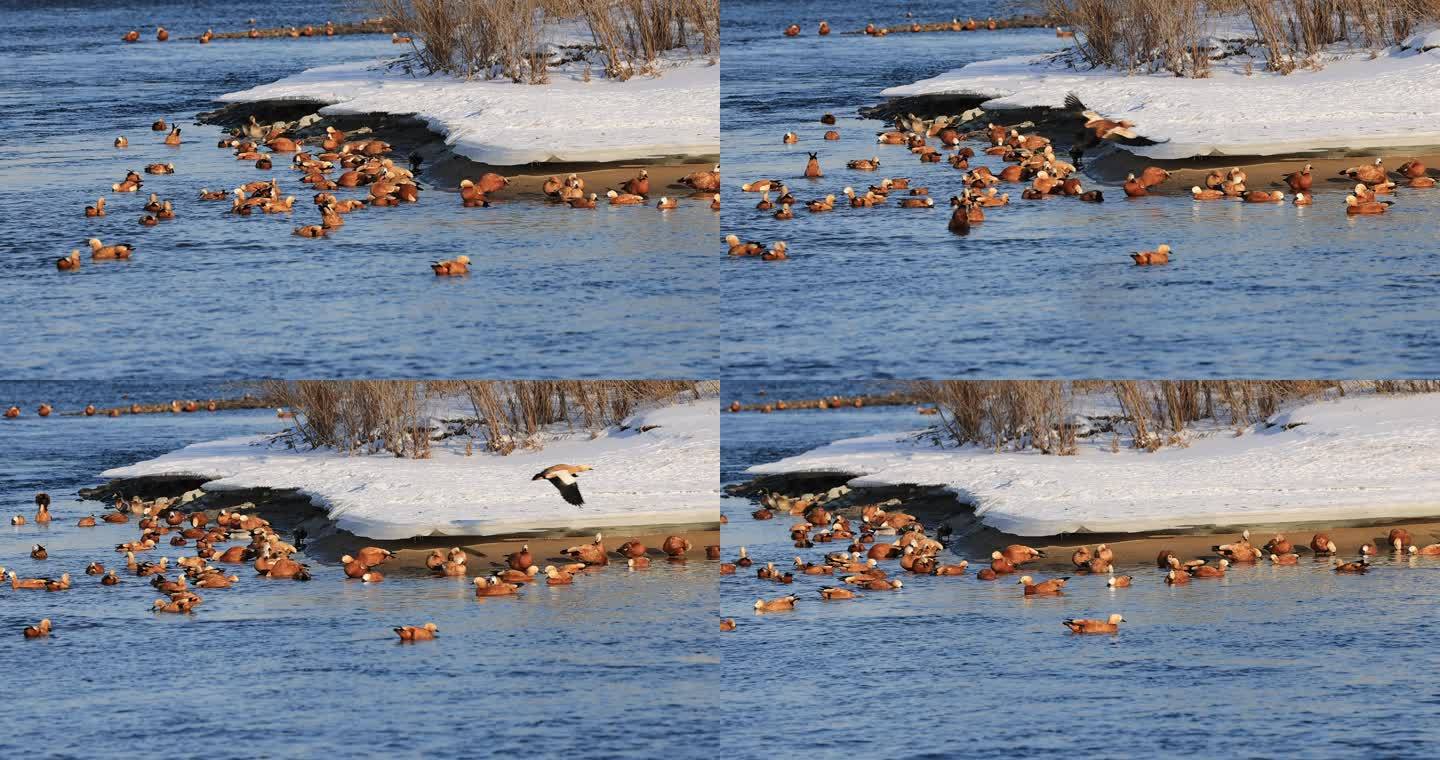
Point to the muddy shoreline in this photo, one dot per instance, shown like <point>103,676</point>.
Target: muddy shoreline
<point>968,536</point>
<point>442,169</point>
<point>290,511</point>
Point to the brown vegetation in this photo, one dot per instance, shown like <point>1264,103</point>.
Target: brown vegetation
<point>1170,35</point>
<point>372,416</point>
<point>504,38</point>
<point>1038,414</point>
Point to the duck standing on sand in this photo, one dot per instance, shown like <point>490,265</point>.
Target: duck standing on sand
<point>563,477</point>
<point>1298,181</point>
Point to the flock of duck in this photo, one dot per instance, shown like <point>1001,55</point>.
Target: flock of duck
<point>883,536</point>
<point>1033,167</point>
<point>90,410</point>
<point>339,162</point>
<point>253,541</point>
<point>309,30</point>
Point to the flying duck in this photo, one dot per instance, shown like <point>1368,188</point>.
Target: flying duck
<point>563,477</point>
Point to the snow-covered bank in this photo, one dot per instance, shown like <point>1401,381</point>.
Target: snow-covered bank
<point>501,123</point>
<point>1354,102</point>
<point>1356,458</point>
<point>668,474</point>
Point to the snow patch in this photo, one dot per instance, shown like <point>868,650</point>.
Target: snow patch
<point>501,123</point>
<point>1352,458</point>
<point>664,475</point>
<point>1353,102</point>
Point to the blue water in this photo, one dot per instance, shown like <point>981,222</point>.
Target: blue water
<point>617,665</point>
<point>552,292</point>
<point>1041,288</point>
<point>1293,661</point>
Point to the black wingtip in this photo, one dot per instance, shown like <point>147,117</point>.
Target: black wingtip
<point>1072,102</point>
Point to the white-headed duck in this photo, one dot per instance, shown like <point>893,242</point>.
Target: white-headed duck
<point>117,251</point>
<point>782,604</point>
<point>1261,196</point>
<point>1082,625</point>
<point>451,267</point>
<point>1360,567</point>
<point>1052,587</point>
<point>1161,255</point>
<point>1354,206</point>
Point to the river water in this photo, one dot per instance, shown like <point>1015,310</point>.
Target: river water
<point>617,665</point>
<point>1041,288</point>
<point>552,292</point>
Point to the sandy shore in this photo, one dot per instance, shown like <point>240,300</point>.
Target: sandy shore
<point>288,511</point>
<point>488,553</point>
<point>442,169</point>
<point>970,538</point>
<point>1264,172</point>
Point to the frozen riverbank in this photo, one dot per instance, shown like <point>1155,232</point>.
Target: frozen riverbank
<point>1354,102</point>
<point>1359,457</point>
<point>661,469</point>
<point>500,123</point>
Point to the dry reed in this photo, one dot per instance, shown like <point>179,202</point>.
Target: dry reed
<point>1039,415</point>
<point>373,416</point>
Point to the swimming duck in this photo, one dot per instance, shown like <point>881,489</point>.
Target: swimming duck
<point>1360,567</point>
<point>623,199</point>
<point>1119,581</point>
<point>131,36</point>
<point>1260,196</point>
<point>1430,550</point>
<point>174,137</point>
<point>1210,571</point>
<point>39,630</point>
<point>1052,587</point>
<point>1355,206</point>
<point>1285,559</point>
<point>589,202</point>
<point>782,604</point>
<point>118,251</point>
<point>812,167</point>
<point>1161,255</point>
<point>777,252</point>
<point>1082,625</point>
<point>1301,199</point>
<point>210,35</point>
<point>864,164</point>
<point>666,203</point>
<point>450,267</point>
<point>72,261</point>
<point>556,577</point>
<point>1207,194</point>
<point>38,552</point>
